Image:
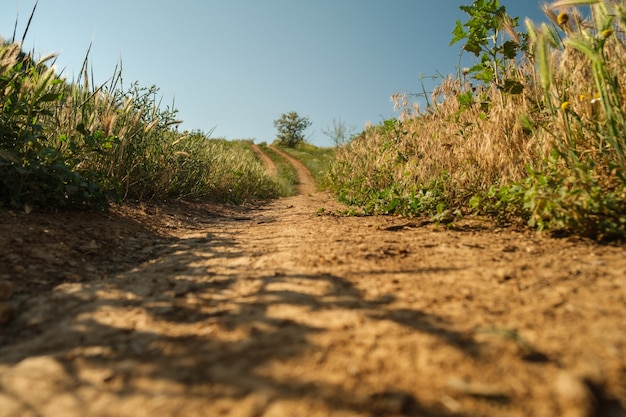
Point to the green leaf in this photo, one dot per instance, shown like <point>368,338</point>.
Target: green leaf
<point>51,97</point>
<point>565,3</point>
<point>513,86</point>
<point>543,58</point>
<point>486,75</point>
<point>584,47</point>
<point>459,33</point>
<point>465,99</point>
<point>473,47</point>
<point>510,49</point>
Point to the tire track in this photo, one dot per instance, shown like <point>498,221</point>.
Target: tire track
<point>267,161</point>
<point>306,183</point>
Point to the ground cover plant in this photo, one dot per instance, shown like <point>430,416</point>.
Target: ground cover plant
<point>80,144</point>
<point>534,132</point>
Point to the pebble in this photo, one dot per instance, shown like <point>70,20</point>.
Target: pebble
<point>574,397</point>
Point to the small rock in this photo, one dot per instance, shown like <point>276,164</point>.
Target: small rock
<point>478,390</point>
<point>574,396</point>
<point>92,246</point>
<point>504,274</point>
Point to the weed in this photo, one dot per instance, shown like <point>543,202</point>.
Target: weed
<point>33,171</point>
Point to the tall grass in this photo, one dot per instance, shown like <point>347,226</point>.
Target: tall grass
<point>582,187</point>
<point>79,144</point>
<point>550,151</point>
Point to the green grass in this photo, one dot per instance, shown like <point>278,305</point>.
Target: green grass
<point>287,178</point>
<point>83,145</point>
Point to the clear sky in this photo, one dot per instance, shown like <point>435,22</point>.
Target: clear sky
<point>236,65</point>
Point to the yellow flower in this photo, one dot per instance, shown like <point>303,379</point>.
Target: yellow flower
<point>606,33</point>
<point>565,105</point>
<point>562,19</point>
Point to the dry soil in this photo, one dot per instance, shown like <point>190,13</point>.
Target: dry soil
<point>288,309</point>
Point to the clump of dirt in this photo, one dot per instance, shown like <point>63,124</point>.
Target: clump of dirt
<point>285,309</point>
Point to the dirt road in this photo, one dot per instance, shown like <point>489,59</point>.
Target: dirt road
<point>288,310</point>
<point>306,183</point>
<point>272,170</point>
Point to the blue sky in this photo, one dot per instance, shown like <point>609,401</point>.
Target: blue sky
<point>235,65</point>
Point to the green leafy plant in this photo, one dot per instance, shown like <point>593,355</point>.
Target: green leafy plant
<point>482,34</point>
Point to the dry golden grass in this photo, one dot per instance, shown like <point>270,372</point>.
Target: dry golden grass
<point>474,147</point>
<point>472,139</point>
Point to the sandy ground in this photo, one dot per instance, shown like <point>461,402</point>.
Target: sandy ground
<point>287,309</point>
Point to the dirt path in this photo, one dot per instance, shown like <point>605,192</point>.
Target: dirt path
<point>306,183</point>
<point>267,161</point>
<point>203,310</point>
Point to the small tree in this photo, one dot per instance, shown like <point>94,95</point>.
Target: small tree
<point>339,132</point>
<point>291,128</point>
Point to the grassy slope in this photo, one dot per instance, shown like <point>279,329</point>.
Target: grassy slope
<point>552,153</point>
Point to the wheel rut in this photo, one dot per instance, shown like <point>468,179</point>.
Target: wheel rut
<point>306,182</point>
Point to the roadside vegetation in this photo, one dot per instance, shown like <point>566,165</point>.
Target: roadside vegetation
<point>76,144</point>
<point>290,138</point>
<point>534,132</point>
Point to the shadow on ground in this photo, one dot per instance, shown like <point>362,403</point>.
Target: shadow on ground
<point>172,326</point>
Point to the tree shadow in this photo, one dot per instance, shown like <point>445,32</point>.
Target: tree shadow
<point>195,326</point>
